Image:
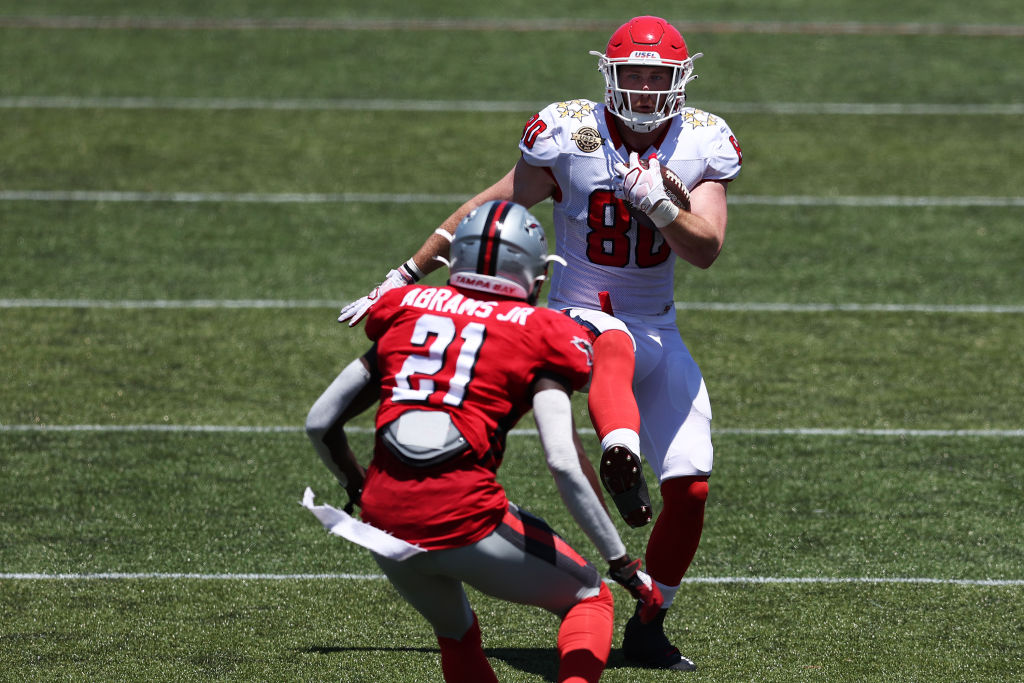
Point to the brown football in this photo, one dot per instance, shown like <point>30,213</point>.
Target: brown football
<point>674,187</point>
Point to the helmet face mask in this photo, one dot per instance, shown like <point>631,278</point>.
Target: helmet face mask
<point>500,248</point>
<point>645,42</point>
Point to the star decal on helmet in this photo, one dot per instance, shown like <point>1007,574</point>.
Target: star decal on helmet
<point>575,109</point>
<point>698,119</point>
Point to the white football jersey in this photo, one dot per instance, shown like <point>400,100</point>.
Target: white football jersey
<point>605,248</point>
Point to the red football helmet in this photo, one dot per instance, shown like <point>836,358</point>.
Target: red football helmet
<point>646,41</point>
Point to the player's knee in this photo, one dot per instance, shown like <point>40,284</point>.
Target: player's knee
<point>685,492</point>
<point>601,602</point>
<point>615,341</point>
<point>615,332</point>
<point>614,353</point>
<point>600,323</point>
<point>462,627</point>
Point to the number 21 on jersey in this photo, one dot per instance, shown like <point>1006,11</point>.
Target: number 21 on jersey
<point>425,373</point>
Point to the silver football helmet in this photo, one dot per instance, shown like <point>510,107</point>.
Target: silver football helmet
<point>499,248</point>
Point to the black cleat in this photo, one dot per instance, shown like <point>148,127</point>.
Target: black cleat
<point>623,476</point>
<point>647,645</point>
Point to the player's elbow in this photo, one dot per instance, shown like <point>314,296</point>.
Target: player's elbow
<point>317,425</point>
<point>322,417</point>
<point>704,257</point>
<point>562,464</point>
<point>569,478</point>
<point>704,263</point>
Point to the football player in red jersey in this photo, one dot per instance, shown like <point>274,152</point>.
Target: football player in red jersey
<point>620,234</point>
<point>455,368</point>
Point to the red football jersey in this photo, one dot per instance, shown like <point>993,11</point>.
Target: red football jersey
<point>440,349</point>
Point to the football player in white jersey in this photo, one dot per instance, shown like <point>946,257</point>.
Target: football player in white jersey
<point>621,231</point>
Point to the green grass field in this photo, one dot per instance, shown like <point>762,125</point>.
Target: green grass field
<point>184,210</point>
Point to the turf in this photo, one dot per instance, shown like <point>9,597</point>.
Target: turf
<point>982,12</point>
<point>159,357</point>
<point>239,251</point>
<point>323,152</point>
<point>216,503</point>
<point>424,65</point>
<point>146,630</point>
<point>260,367</point>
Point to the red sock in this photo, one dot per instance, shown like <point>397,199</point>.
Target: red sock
<point>585,638</point>
<point>677,531</point>
<point>611,401</point>
<point>463,660</point>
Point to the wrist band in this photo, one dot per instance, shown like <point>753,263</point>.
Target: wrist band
<point>664,213</point>
<point>410,271</point>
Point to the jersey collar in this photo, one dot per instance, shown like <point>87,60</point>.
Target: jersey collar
<point>617,141</point>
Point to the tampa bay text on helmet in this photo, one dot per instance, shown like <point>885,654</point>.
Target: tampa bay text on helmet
<point>500,248</point>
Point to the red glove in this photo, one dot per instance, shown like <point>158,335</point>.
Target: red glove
<point>630,576</point>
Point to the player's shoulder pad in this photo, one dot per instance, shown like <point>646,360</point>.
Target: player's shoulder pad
<point>703,123</point>
<point>570,125</point>
<point>571,112</point>
<point>715,141</point>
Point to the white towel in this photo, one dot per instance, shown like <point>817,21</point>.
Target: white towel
<point>340,523</point>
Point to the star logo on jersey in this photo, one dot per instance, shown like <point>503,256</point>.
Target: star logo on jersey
<point>698,119</point>
<point>587,139</point>
<point>584,346</point>
<point>575,109</point>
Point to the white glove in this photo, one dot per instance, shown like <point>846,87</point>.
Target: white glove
<point>355,311</point>
<point>644,189</point>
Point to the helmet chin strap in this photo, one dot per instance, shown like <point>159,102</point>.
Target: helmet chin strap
<point>644,125</point>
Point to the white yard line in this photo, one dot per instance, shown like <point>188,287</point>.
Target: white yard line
<point>553,24</point>
<point>170,304</point>
<point>287,429</point>
<point>228,197</point>
<point>122,576</point>
<point>176,576</point>
<point>490,106</point>
<point>883,201</point>
<point>753,307</point>
<point>740,307</point>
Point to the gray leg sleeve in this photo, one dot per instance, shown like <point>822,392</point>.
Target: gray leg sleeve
<point>535,569</point>
<point>440,599</point>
